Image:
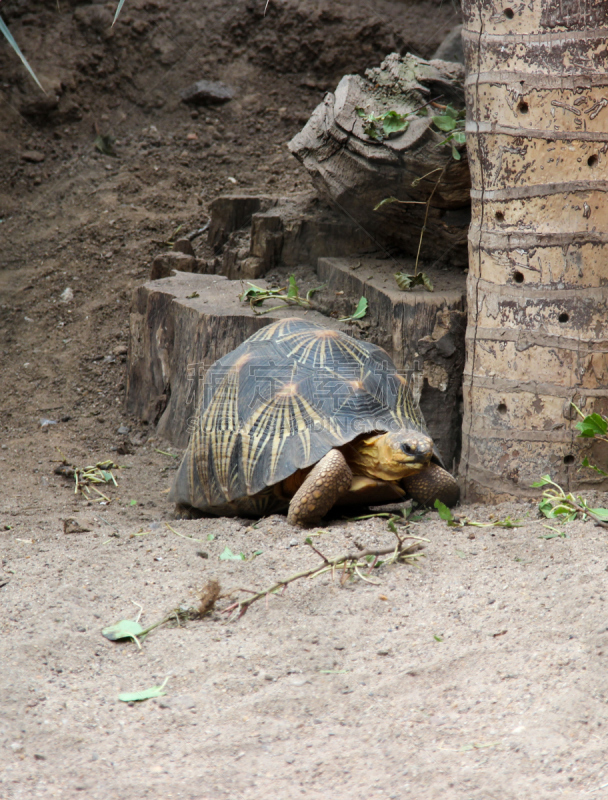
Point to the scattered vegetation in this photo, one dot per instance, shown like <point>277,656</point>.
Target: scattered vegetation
<point>451,122</point>
<point>290,296</point>
<point>562,507</point>
<point>462,522</point>
<point>85,478</point>
<point>383,126</point>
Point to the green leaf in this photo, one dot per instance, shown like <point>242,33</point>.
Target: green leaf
<point>445,123</point>
<point>125,629</point>
<point>393,122</point>
<point>444,511</point>
<point>132,502</point>
<point>292,291</point>
<point>461,554</point>
<point>361,309</point>
<point>455,154</point>
<point>593,425</point>
<point>228,555</point>
<point>359,312</point>
<point>459,137</point>
<point>586,463</point>
<point>9,37</point>
<point>600,513</point>
<point>210,537</point>
<point>385,202</point>
<point>144,694</point>
<point>308,540</point>
<point>542,481</point>
<point>407,282</point>
<point>437,638</point>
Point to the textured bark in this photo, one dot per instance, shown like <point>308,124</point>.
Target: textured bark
<point>537,340</point>
<point>356,172</point>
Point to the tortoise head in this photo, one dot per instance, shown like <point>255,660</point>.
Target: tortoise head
<point>391,456</point>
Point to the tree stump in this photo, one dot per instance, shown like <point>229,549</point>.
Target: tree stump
<point>356,169</point>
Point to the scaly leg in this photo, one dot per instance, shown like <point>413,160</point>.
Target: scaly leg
<point>324,485</point>
<point>430,484</point>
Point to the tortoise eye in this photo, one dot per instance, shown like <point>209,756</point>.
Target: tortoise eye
<point>407,448</point>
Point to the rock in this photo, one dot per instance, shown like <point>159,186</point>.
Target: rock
<point>204,93</point>
<point>123,430</point>
<point>72,525</point>
<point>121,350</point>
<point>33,156</point>
<point>67,295</point>
<point>165,264</point>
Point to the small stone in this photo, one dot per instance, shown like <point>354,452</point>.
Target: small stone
<point>206,93</point>
<point>17,747</point>
<point>67,295</point>
<point>294,543</point>
<point>72,525</point>
<point>123,430</point>
<point>33,156</point>
<point>121,350</point>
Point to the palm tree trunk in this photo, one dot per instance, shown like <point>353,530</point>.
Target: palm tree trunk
<point>537,336</point>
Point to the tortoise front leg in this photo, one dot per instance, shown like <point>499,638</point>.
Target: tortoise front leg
<point>430,484</point>
<point>324,485</point>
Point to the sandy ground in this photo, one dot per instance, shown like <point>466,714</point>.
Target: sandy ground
<point>478,673</point>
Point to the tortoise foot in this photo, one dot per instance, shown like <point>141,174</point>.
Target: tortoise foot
<point>430,484</point>
<point>325,484</point>
<point>183,511</point>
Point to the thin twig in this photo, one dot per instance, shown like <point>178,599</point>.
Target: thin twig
<point>426,216</point>
<point>350,561</point>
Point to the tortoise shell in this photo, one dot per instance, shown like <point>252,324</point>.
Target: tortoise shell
<point>280,402</point>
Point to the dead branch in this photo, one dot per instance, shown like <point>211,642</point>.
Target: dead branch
<point>350,564</point>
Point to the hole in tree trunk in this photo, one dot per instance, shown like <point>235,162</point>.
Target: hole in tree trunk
<point>522,107</point>
<point>500,217</point>
<point>502,408</point>
<point>569,459</point>
<point>508,12</point>
<point>518,277</point>
<point>592,160</point>
<point>563,317</point>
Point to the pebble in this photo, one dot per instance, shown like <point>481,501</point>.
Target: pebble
<point>67,295</point>
<point>33,156</point>
<point>123,430</point>
<point>206,92</point>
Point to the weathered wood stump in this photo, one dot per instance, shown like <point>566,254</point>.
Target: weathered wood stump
<point>355,170</point>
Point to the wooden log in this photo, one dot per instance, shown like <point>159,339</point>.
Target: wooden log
<point>355,170</point>
<point>537,296</point>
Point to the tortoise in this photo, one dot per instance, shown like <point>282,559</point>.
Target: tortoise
<point>302,418</point>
